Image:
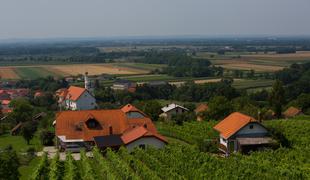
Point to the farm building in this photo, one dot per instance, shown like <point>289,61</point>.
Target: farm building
<point>201,108</point>
<point>124,85</point>
<point>127,127</point>
<point>292,112</point>
<point>242,133</point>
<point>172,109</point>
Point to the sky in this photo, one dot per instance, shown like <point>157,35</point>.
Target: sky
<point>110,18</point>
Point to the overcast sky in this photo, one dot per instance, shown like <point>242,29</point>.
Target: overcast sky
<point>106,18</point>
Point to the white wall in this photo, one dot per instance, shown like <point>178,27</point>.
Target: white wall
<point>172,112</point>
<point>147,141</point>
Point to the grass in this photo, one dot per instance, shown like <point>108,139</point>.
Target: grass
<point>26,171</point>
<point>18,142</point>
<point>142,66</point>
<point>252,84</point>
<point>34,72</point>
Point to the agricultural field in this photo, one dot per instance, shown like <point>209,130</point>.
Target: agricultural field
<point>36,71</point>
<point>270,62</point>
<point>186,160</point>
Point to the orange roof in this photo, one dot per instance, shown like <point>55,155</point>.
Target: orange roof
<point>133,134</point>
<point>75,92</point>
<point>5,102</point>
<point>129,108</point>
<point>232,124</point>
<point>201,108</point>
<point>292,111</point>
<point>68,121</point>
<point>72,124</point>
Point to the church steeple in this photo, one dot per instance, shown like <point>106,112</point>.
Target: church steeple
<point>86,81</point>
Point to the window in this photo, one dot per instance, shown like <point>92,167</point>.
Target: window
<point>145,125</point>
<point>111,130</point>
<point>251,126</point>
<point>182,110</point>
<point>177,110</point>
<point>142,146</point>
<point>92,124</point>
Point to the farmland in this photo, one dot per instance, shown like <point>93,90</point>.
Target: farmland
<point>259,62</point>
<point>37,71</point>
<point>183,159</point>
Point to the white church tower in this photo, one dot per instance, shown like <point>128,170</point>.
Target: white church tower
<point>87,83</point>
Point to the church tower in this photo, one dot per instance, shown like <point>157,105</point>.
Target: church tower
<point>87,83</point>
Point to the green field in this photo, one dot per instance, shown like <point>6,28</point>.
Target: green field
<point>19,143</point>
<point>34,72</point>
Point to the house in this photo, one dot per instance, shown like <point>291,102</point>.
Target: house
<point>292,112</point>
<point>38,94</point>
<point>172,109</point>
<point>5,106</point>
<point>199,110</point>
<point>127,127</point>
<point>77,98</point>
<point>124,85</point>
<point>242,133</point>
<point>4,95</point>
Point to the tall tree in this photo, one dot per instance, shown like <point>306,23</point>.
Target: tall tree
<point>276,98</point>
<point>27,130</point>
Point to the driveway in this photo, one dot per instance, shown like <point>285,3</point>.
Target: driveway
<point>51,152</point>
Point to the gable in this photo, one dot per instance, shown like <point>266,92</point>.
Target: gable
<point>252,129</point>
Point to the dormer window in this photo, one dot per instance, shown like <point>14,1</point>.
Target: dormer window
<point>145,125</point>
<point>92,124</point>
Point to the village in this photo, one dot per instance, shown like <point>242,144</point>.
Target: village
<point>80,125</point>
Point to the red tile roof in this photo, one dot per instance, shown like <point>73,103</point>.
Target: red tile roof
<point>73,92</point>
<point>130,108</point>
<point>5,102</point>
<point>133,134</point>
<point>201,108</point>
<point>232,124</point>
<point>291,112</point>
<point>72,124</point>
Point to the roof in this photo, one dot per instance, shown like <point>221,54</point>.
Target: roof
<point>201,108</point>
<point>5,102</point>
<point>74,93</point>
<point>172,106</point>
<point>133,134</point>
<point>72,124</point>
<point>233,123</point>
<point>108,141</point>
<point>129,108</point>
<point>292,111</point>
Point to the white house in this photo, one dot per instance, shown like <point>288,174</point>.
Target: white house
<point>242,133</point>
<point>172,109</point>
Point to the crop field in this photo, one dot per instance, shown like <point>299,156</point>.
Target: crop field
<point>37,71</point>
<point>259,62</point>
<point>188,156</point>
<point>8,73</point>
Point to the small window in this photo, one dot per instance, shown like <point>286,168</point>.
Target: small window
<point>145,125</point>
<point>177,110</point>
<point>111,130</point>
<point>142,146</point>
<point>251,127</point>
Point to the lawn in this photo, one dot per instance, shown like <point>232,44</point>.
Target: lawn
<point>18,142</point>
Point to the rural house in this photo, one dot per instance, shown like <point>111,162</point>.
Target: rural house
<point>124,85</point>
<point>172,109</point>
<point>77,98</point>
<point>241,133</point>
<point>5,108</point>
<point>127,127</point>
<point>292,112</point>
<point>201,108</point>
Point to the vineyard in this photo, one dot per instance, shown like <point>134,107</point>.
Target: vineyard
<point>187,161</point>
